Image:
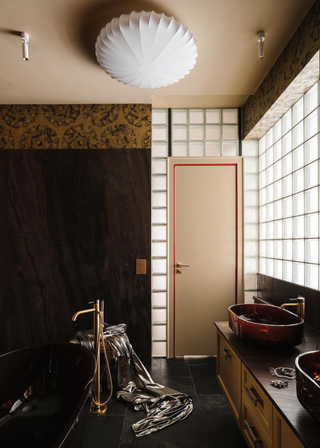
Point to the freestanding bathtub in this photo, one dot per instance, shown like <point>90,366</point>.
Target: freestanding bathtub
<point>42,391</point>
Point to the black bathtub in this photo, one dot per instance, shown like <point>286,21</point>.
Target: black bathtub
<point>42,391</point>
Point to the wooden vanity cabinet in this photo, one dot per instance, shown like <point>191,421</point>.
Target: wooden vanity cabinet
<point>283,436</point>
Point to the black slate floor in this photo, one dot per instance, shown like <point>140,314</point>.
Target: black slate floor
<point>210,425</point>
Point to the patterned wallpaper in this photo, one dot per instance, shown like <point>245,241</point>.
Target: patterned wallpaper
<point>299,51</point>
<point>94,126</point>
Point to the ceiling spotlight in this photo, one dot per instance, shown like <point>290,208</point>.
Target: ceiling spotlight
<point>25,46</point>
<point>261,37</point>
<point>146,49</point>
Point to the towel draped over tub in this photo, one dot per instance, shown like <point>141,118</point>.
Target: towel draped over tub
<point>164,406</point>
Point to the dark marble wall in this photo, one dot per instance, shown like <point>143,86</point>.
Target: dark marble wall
<point>278,291</point>
<point>73,222</point>
<point>298,52</point>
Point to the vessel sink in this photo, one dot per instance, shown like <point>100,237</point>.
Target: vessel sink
<point>266,325</point>
<point>308,381</point>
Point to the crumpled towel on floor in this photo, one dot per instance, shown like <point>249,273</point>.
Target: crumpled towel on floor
<point>164,406</point>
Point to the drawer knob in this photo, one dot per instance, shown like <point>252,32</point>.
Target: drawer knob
<point>252,394</point>
<point>225,353</point>
<point>253,438</point>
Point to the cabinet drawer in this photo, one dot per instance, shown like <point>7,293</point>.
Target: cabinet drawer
<point>283,436</point>
<point>229,375</point>
<point>252,430</point>
<point>257,399</point>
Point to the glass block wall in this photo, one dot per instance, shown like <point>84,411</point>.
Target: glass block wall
<point>289,195</point>
<point>200,133</point>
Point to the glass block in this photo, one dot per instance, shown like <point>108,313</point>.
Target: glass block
<point>298,227</point>
<point>277,190</point>
<point>286,143</point>
<point>270,212</point>
<point>159,182</point>
<point>250,148</point>
<point>298,204</point>
<point>159,116</point>
<point>213,149</point>
<point>180,133</point>
<point>277,249</point>
<point>311,175</point>
<point>159,349</point>
<point>213,132</point>
<point>269,230</point>
<point>262,266</point>
<point>269,156</point>
<point>196,149</point>
<point>262,197</point>
<point>251,182</point>
<point>287,228</point>
<point>311,200</point>
<point>159,216</point>
<point>159,332</point>
<point>297,112</point>
<point>263,214</point>
<point>312,251</point>
<point>159,316</point>
<point>196,116</point>
<point>287,249</point>
<point>312,225</point>
<point>298,273</point>
<point>298,250</point>
<point>298,181</point>
<point>311,149</point>
<point>263,231</point>
<point>159,299</point>
<point>251,199</point>
<point>277,151</point>
<point>159,166</point>
<point>269,138</point>
<point>287,271</point>
<point>269,267</point>
<point>230,116</point>
<point>159,249</point>
<point>262,145</point>
<point>229,132</point>
<point>277,131</point>
<point>159,282</point>
<point>159,232</point>
<point>263,248</point>
<point>287,186</point>
<point>311,100</point>
<point>213,116</point>
<point>159,199</point>
<point>159,267</point>
<point>277,209</point>
<point>179,116</point>
<point>277,170</point>
<point>262,179</point>
<point>277,229</point>
<point>269,175</point>
<point>159,133</point>
<point>311,276</point>
<point>196,133</point>
<point>287,207</point>
<point>287,164</point>
<point>262,162</point>
<point>230,149</point>
<point>297,135</point>
<point>277,269</point>
<point>311,125</point>
<point>286,122</point>
<point>250,249</point>
<point>251,265</point>
<point>270,248</point>
<point>251,215</point>
<point>250,281</point>
<point>298,157</point>
<point>159,150</point>
<point>251,232</point>
<point>179,149</point>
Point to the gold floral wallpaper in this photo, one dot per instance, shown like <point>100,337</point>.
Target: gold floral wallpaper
<point>300,50</point>
<point>84,126</point>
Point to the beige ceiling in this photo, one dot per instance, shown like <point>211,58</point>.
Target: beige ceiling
<point>63,69</point>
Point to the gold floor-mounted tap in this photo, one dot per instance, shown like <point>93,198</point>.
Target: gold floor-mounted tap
<point>97,407</point>
<point>300,304</point>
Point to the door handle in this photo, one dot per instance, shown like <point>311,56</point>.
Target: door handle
<point>179,267</point>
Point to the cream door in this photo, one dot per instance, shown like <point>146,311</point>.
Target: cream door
<point>205,232</point>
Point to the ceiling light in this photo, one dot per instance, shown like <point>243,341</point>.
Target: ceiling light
<point>146,49</point>
<point>261,37</point>
<point>25,46</point>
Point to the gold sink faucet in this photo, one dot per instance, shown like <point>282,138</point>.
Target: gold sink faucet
<point>300,304</point>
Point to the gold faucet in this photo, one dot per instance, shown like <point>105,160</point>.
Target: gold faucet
<point>300,304</point>
<point>97,407</point>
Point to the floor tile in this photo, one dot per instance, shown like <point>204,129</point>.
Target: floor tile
<point>202,361</point>
<point>177,367</point>
<point>205,380</point>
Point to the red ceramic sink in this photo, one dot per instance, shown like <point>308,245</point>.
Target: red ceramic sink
<point>308,381</point>
<point>266,325</point>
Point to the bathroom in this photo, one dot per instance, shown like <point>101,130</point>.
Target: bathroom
<point>53,266</point>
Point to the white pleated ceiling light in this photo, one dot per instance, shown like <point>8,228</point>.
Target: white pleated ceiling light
<point>146,49</point>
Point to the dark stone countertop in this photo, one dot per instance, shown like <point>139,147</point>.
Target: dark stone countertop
<point>259,360</point>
